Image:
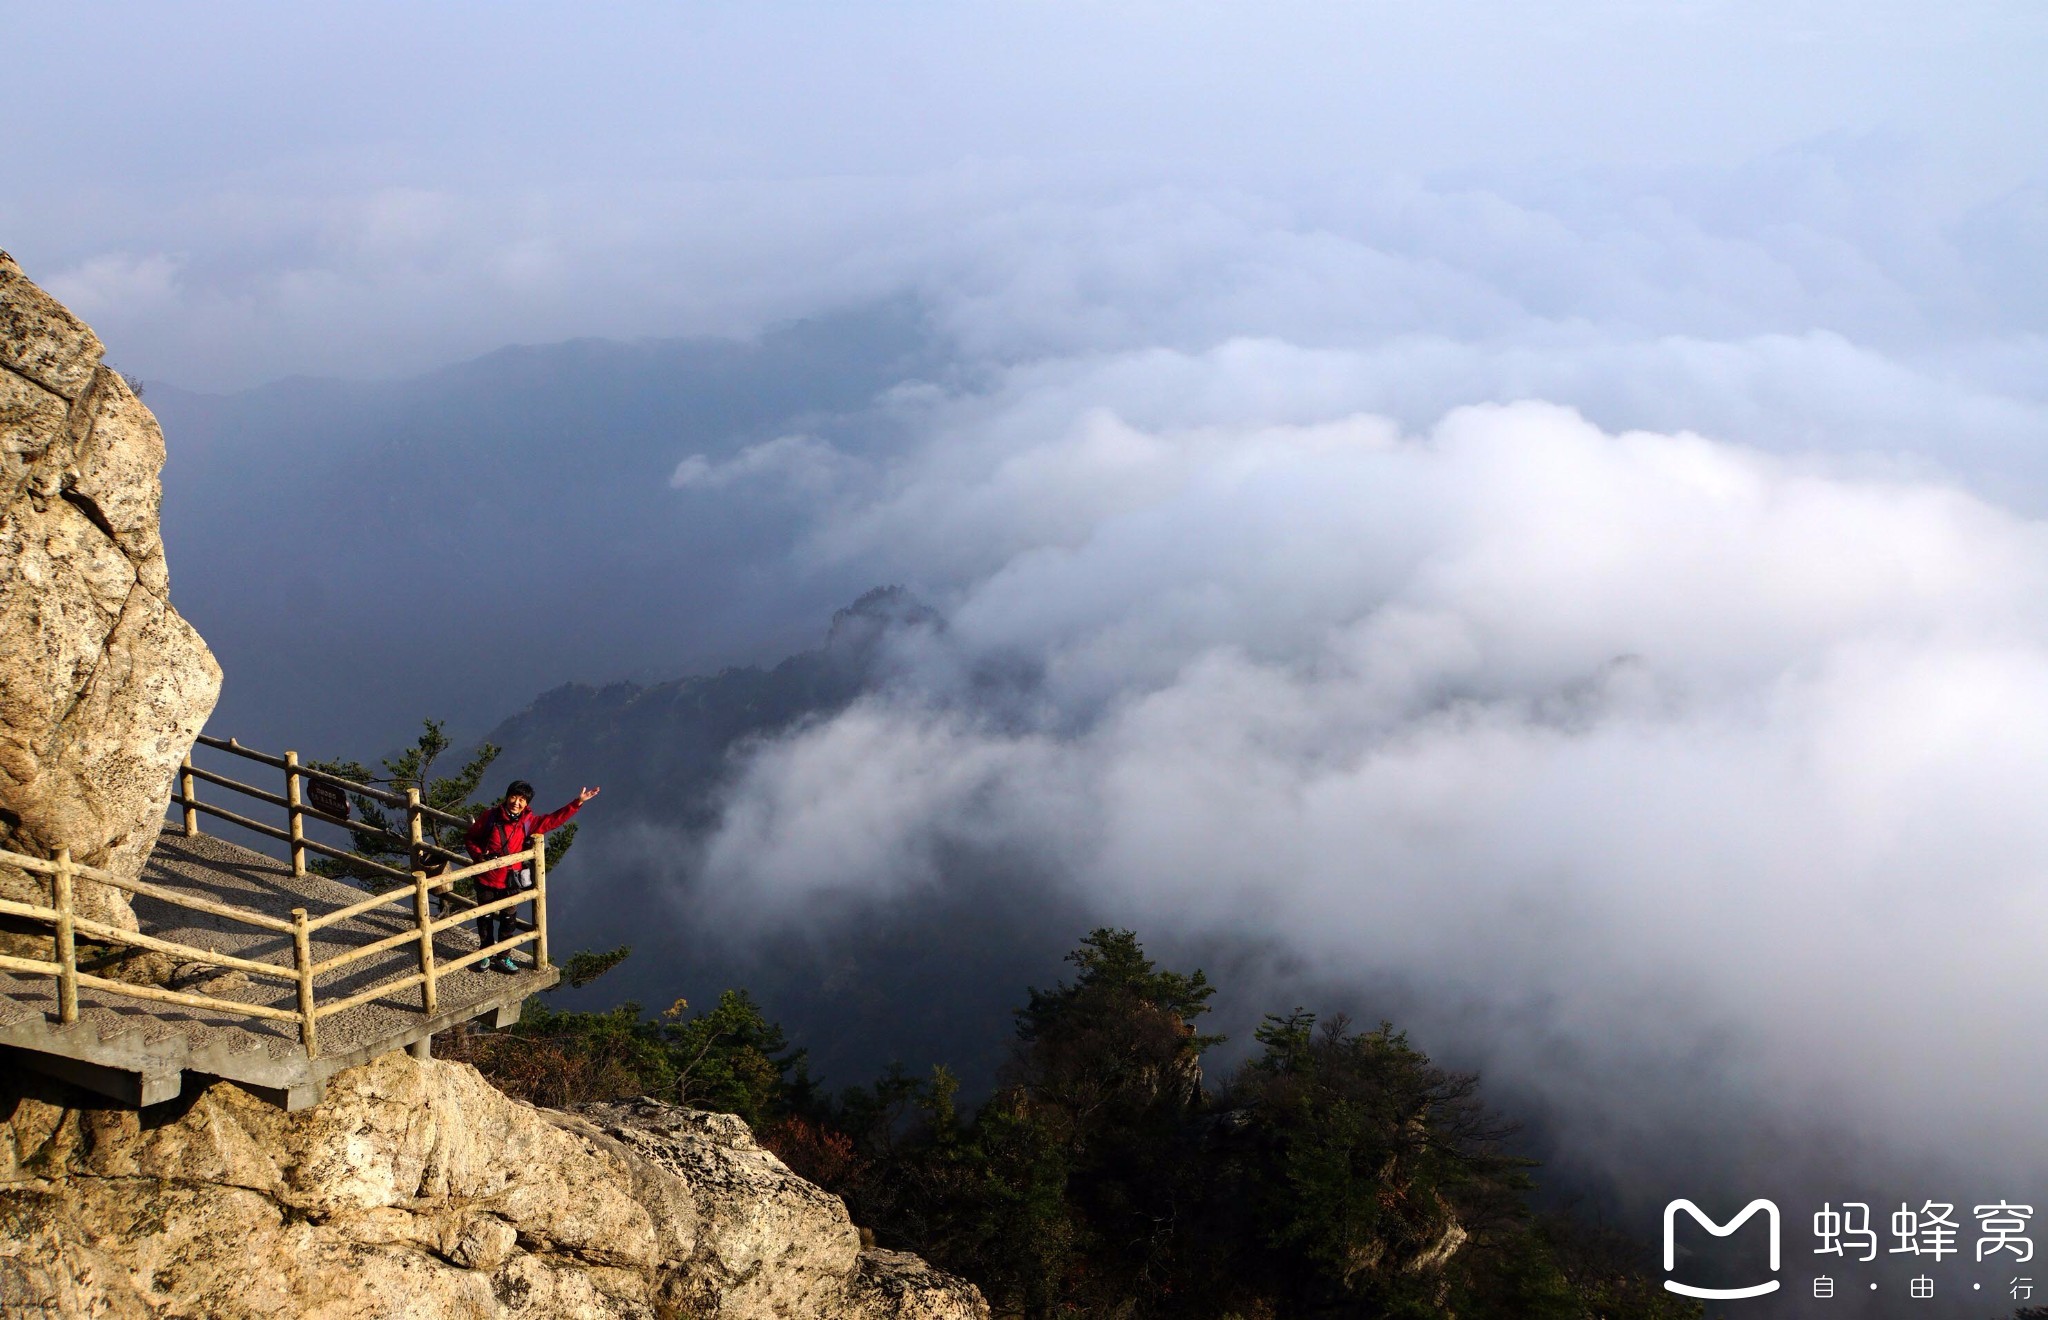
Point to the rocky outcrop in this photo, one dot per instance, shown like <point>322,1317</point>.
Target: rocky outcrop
<point>417,1190</point>
<point>103,687</point>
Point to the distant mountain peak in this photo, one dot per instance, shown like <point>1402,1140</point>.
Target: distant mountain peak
<point>876,614</point>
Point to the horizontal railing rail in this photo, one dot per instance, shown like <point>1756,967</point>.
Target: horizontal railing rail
<point>302,973</point>
<point>44,866</point>
<point>290,761</point>
<point>313,1001</point>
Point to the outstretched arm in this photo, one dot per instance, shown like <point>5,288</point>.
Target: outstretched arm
<point>555,819</point>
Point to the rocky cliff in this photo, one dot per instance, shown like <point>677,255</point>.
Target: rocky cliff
<point>103,687</point>
<point>418,1191</point>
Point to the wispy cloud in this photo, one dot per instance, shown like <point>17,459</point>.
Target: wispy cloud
<point>800,463</point>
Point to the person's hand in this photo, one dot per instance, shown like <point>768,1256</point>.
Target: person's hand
<point>585,796</point>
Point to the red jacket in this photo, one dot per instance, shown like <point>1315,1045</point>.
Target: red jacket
<point>494,834</point>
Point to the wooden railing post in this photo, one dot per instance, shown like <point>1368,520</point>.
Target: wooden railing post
<point>540,900</point>
<point>415,825</point>
<point>293,809</point>
<point>187,795</point>
<point>67,951</point>
<point>302,948</point>
<point>420,905</point>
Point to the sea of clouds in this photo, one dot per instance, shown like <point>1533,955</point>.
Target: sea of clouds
<point>1610,599</point>
<point>1660,739</point>
<point>1615,614</point>
<point>1655,682</point>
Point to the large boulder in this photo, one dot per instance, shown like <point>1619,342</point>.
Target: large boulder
<point>103,687</point>
<point>417,1190</point>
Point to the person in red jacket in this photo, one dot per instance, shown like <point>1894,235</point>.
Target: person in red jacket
<point>506,829</point>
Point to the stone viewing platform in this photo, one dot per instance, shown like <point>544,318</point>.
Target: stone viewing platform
<point>140,1050</point>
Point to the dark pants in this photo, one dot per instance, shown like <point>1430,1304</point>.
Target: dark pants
<point>492,927</point>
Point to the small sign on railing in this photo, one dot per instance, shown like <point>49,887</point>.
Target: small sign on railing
<point>327,799</point>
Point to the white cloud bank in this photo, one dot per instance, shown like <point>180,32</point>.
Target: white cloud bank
<point>1662,743</point>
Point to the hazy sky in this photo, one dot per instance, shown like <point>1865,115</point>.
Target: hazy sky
<point>235,192</point>
<point>1539,498</point>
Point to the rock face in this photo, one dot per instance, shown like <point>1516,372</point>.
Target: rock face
<point>419,1191</point>
<point>102,686</point>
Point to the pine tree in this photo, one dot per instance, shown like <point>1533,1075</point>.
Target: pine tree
<point>376,834</point>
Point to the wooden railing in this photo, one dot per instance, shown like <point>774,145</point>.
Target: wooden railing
<point>297,812</point>
<point>419,887</point>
